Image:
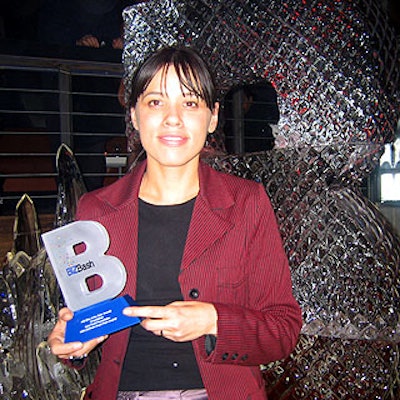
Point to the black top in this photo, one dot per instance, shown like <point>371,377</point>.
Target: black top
<point>153,362</point>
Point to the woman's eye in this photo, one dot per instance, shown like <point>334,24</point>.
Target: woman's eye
<point>191,104</point>
<point>154,103</point>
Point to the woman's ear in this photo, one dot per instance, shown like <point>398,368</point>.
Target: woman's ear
<point>214,119</point>
<point>134,119</point>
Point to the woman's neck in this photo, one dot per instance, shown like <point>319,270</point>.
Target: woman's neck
<point>169,186</point>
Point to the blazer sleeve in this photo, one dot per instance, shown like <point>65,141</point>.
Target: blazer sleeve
<point>267,328</point>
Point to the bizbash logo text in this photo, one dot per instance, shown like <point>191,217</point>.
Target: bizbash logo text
<point>75,269</point>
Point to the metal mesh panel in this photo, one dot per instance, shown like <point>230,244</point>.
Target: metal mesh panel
<point>335,67</point>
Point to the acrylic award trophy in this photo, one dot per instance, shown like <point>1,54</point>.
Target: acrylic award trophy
<point>77,255</point>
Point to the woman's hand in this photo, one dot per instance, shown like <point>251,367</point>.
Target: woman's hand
<point>72,349</point>
<point>179,321</point>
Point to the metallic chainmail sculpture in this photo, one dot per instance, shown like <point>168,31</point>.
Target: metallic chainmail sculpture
<point>335,66</point>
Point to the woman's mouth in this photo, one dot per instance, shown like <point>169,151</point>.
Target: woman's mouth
<point>173,140</point>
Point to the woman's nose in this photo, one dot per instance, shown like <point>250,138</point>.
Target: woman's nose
<point>173,115</point>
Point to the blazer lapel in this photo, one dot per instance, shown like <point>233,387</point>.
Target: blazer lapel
<point>207,224</point>
<point>122,223</point>
<point>125,241</point>
<point>205,228</point>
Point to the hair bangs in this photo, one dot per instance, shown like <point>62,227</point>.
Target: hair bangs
<point>193,74</point>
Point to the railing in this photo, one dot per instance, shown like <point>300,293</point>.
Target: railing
<point>45,102</point>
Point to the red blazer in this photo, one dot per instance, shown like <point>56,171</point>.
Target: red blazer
<point>233,258</point>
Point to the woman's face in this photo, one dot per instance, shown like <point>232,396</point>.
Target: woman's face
<point>172,122</point>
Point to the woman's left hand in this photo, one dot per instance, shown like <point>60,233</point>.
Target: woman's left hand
<point>179,321</point>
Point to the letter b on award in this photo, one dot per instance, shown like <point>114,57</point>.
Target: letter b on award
<point>89,279</point>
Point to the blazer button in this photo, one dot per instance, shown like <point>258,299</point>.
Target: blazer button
<point>194,294</point>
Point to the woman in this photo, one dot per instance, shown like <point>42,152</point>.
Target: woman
<point>203,254</point>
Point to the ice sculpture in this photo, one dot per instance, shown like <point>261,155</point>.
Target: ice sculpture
<point>30,300</point>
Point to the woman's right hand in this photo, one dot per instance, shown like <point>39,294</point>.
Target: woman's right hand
<point>73,349</point>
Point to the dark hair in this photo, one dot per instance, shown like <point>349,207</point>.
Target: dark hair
<point>193,73</point>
